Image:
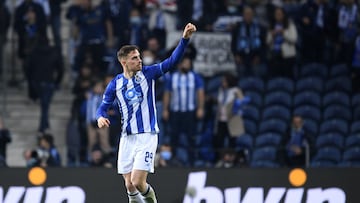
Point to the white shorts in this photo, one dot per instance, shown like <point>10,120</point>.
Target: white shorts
<point>137,152</point>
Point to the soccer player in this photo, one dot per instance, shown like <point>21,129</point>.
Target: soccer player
<point>134,91</point>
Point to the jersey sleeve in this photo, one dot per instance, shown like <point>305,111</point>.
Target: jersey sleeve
<point>108,100</point>
<point>157,70</point>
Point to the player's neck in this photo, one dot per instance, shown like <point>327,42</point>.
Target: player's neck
<point>129,74</point>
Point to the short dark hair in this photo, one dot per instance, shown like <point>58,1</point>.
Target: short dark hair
<point>125,50</point>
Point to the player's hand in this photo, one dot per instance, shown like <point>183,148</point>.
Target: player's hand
<point>188,30</point>
<point>103,122</point>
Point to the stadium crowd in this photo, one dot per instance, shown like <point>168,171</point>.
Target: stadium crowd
<point>293,99</point>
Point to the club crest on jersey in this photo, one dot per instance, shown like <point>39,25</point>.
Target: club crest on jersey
<point>137,78</point>
<point>133,96</point>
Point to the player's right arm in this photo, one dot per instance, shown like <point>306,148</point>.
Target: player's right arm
<point>108,99</point>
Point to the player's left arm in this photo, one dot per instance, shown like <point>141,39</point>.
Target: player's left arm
<point>171,62</point>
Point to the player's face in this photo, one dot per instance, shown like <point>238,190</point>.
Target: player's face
<point>133,61</point>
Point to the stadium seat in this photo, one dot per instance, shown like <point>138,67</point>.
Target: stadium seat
<point>355,127</point>
<point>252,83</point>
<point>355,100</point>
<point>334,126</point>
<point>310,84</point>
<point>314,69</point>
<point>264,164</point>
<point>339,70</point>
<point>244,141</point>
<point>356,114</point>
<point>340,83</point>
<point>352,141</point>
<point>278,98</point>
<point>251,112</point>
<point>280,84</point>
<point>268,140</point>
<point>308,112</point>
<point>307,98</point>
<point>337,111</point>
<point>273,125</point>
<point>322,164</point>
<point>337,97</point>
<point>330,140</point>
<point>311,126</point>
<point>255,98</point>
<point>264,154</point>
<point>278,112</point>
<point>351,154</point>
<point>250,127</point>
<point>332,154</point>
<point>213,84</point>
<point>348,164</point>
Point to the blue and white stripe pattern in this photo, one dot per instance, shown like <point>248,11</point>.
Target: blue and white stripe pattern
<point>136,96</point>
<point>183,88</point>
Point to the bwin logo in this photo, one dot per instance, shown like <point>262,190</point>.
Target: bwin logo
<point>197,192</point>
<point>56,194</point>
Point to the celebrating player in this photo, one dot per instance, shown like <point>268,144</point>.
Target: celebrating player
<point>134,90</point>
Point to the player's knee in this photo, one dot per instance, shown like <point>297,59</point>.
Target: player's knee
<point>129,186</point>
<point>139,184</point>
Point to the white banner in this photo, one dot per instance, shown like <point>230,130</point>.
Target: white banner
<point>213,51</point>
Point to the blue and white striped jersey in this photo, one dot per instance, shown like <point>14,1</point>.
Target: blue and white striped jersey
<point>136,96</point>
<point>183,88</point>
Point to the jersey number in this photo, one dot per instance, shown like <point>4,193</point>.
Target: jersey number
<point>148,156</point>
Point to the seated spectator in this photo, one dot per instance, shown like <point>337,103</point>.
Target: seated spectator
<point>99,159</point>
<point>31,158</point>
<point>164,158</point>
<point>48,154</point>
<point>227,160</point>
<point>297,142</point>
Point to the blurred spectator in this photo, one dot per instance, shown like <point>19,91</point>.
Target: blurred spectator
<point>99,159</point>
<point>137,29</point>
<point>154,46</point>
<point>31,158</point>
<point>313,23</point>
<point>82,85</point>
<point>348,25</point>
<point>55,21</point>
<point>281,39</point>
<point>298,142</point>
<point>29,24</point>
<point>119,11</point>
<point>165,158</point>
<point>47,152</point>
<point>227,160</point>
<point>72,14</point>
<point>94,133</point>
<point>5,138</point>
<point>162,18</point>
<point>45,69</point>
<point>183,106</point>
<point>94,29</point>
<point>247,45</point>
<point>230,17</point>
<point>229,122</point>
<point>190,51</point>
<point>4,25</point>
